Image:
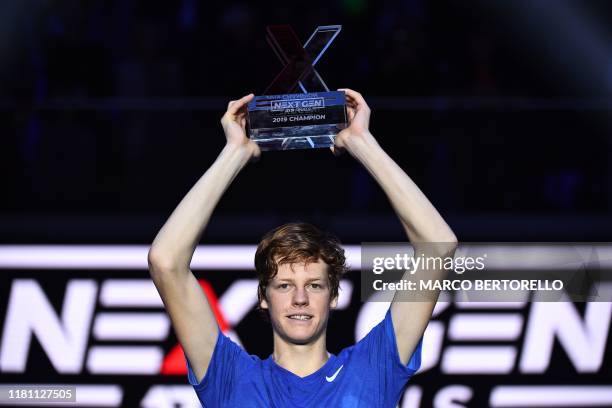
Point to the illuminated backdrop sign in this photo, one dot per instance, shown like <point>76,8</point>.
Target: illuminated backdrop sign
<point>90,316</point>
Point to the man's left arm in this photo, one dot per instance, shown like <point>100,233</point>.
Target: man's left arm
<point>421,221</point>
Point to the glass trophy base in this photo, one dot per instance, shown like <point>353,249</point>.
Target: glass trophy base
<point>296,121</point>
<point>307,137</point>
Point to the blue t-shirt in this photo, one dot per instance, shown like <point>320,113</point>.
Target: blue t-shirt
<point>367,374</point>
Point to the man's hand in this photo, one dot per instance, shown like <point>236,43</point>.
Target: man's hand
<point>234,126</point>
<point>358,130</point>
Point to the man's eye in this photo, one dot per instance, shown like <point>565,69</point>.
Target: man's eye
<point>316,286</point>
<point>283,286</point>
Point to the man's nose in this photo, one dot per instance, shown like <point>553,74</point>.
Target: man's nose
<point>300,297</point>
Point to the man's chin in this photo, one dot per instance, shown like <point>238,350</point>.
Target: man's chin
<point>299,341</point>
<point>299,337</point>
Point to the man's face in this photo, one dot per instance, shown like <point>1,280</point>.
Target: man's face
<point>298,301</point>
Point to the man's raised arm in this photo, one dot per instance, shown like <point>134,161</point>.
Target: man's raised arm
<point>171,252</point>
<point>422,222</point>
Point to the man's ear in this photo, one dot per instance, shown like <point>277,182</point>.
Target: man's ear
<point>263,304</point>
<point>333,303</point>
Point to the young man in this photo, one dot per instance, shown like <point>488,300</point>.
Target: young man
<point>299,268</point>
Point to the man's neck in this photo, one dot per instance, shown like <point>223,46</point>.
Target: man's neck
<point>300,359</point>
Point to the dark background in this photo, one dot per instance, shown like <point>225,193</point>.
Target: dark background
<point>500,111</point>
<point>109,112</point>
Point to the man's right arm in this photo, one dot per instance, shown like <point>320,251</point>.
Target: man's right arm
<point>170,255</point>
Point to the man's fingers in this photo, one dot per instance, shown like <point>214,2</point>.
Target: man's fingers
<point>235,106</point>
<point>355,96</point>
<point>256,153</point>
<point>336,150</point>
<point>351,114</point>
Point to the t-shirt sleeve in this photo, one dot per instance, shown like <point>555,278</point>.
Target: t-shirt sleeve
<point>379,347</point>
<point>228,359</point>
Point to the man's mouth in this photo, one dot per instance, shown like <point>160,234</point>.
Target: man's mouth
<point>302,317</point>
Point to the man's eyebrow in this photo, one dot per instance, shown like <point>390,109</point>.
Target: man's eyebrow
<point>275,279</point>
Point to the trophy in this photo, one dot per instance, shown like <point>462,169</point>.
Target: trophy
<point>297,110</point>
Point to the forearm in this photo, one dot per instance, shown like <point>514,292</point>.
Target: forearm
<point>175,243</point>
<point>423,224</point>
<point>420,219</point>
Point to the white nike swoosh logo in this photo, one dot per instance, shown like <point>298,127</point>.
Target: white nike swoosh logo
<point>333,377</point>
